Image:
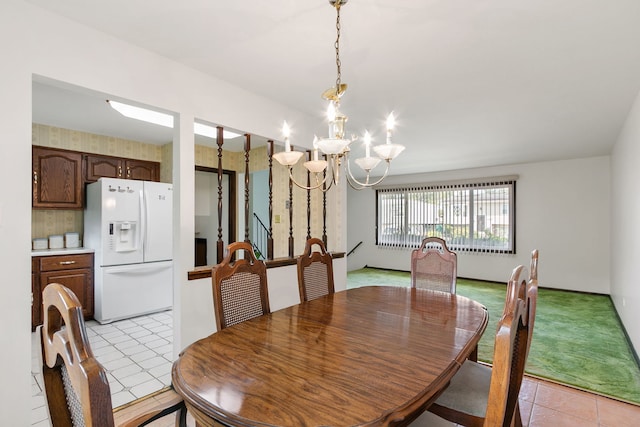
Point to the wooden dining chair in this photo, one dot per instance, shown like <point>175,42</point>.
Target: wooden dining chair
<point>76,385</point>
<point>528,293</point>
<point>434,266</point>
<point>239,286</point>
<point>480,395</point>
<point>315,271</point>
<point>532,293</point>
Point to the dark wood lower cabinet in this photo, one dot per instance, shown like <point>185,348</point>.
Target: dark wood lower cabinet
<point>73,271</point>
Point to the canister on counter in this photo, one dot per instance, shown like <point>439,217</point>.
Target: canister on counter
<point>40,243</point>
<point>71,240</point>
<point>56,241</point>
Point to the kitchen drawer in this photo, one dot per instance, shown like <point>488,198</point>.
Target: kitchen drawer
<point>66,262</point>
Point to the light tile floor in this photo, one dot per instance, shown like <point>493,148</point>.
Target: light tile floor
<point>137,354</point>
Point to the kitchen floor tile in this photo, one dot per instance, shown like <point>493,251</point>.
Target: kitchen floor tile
<point>134,369</point>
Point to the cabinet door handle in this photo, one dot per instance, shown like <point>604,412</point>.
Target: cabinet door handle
<point>128,172</point>
<point>35,177</point>
<point>119,171</point>
<point>67,262</point>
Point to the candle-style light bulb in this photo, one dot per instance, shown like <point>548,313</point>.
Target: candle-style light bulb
<point>367,144</point>
<point>331,118</point>
<point>331,111</point>
<point>391,121</point>
<point>315,147</point>
<point>285,132</point>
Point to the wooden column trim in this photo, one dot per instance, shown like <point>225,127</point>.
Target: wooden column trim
<point>308,199</point>
<point>324,205</point>
<point>270,236</point>
<point>220,242</point>
<point>247,148</point>
<point>291,215</point>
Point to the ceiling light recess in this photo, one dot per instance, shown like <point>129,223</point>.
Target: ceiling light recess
<point>166,120</point>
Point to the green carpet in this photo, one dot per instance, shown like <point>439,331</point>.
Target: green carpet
<point>577,340</point>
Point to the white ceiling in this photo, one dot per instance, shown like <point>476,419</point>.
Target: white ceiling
<point>472,83</point>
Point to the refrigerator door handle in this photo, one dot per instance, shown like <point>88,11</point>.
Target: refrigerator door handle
<point>143,221</point>
<point>138,269</point>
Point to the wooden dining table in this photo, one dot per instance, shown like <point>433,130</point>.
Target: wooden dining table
<point>370,356</point>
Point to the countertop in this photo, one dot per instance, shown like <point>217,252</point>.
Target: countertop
<point>63,251</point>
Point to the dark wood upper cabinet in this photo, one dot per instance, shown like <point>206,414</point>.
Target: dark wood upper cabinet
<point>56,179</point>
<point>58,176</point>
<point>97,166</point>
<point>142,170</point>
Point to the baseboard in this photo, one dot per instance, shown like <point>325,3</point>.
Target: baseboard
<point>626,335</point>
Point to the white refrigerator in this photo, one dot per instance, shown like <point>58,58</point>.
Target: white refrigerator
<point>129,224</point>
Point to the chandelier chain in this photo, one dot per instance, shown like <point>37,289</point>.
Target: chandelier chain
<point>337,46</point>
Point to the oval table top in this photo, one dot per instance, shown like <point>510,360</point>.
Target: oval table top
<point>371,356</point>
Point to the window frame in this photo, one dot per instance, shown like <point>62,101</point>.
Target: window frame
<point>443,200</point>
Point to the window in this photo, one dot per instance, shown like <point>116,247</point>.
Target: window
<point>470,215</point>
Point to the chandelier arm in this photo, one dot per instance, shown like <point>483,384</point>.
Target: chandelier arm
<point>353,182</point>
<point>335,168</point>
<point>333,179</point>
<point>330,181</point>
<point>304,187</point>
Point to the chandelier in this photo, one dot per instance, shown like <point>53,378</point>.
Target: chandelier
<point>336,147</point>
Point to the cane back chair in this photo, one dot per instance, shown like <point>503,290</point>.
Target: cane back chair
<point>76,385</point>
<point>239,286</point>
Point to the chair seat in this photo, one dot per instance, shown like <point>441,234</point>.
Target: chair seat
<point>468,391</point>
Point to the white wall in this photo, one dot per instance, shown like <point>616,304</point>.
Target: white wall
<point>36,42</point>
<point>625,225</point>
<point>562,209</point>
<point>15,222</point>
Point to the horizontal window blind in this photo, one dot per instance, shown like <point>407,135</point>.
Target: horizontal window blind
<point>474,216</point>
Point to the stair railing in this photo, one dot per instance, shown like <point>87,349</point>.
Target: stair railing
<point>260,237</point>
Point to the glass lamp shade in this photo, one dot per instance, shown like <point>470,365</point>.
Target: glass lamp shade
<point>333,145</point>
<point>367,163</point>
<point>315,166</point>
<point>288,158</point>
<point>388,151</point>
